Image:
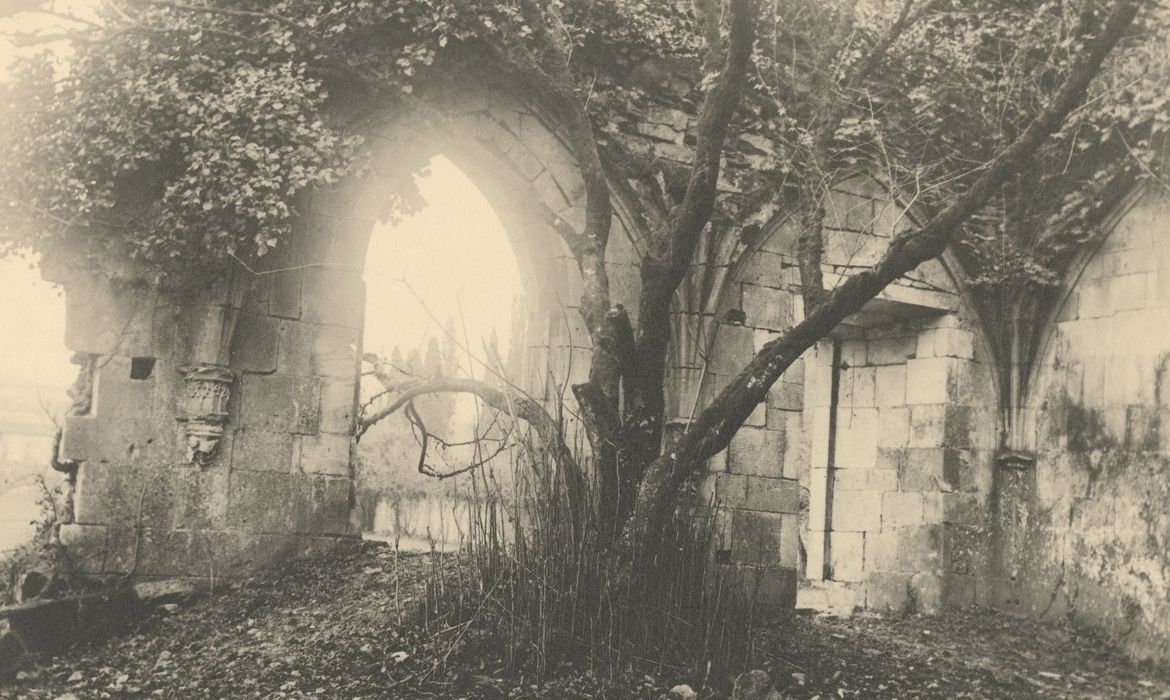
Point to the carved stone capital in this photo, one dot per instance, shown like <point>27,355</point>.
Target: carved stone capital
<point>206,395</point>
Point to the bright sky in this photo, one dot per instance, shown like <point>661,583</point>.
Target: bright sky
<point>32,316</point>
<point>455,255</point>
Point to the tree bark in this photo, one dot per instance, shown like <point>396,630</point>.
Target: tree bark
<point>713,429</point>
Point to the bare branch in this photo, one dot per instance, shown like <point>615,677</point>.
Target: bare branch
<point>713,429</point>
<point>817,179</point>
<point>520,407</point>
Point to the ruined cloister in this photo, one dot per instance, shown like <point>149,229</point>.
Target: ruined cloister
<point>212,432</point>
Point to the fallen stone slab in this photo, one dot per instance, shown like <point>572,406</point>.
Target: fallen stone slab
<point>164,592</point>
<point>54,625</point>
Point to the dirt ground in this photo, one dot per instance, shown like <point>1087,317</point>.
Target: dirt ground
<point>332,629</point>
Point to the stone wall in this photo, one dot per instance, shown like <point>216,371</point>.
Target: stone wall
<point>895,447</point>
<point>1086,531</point>
<point>220,433</point>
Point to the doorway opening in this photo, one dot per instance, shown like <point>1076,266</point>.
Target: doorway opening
<point>443,298</point>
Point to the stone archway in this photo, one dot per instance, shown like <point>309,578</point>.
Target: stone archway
<point>218,438</point>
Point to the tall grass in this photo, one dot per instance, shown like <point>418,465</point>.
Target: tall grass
<point>537,598</point>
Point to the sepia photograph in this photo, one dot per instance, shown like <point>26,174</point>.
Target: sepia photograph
<point>648,349</point>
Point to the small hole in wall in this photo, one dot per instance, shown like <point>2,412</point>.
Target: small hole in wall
<point>735,316</point>
<point>141,367</point>
<point>723,556</point>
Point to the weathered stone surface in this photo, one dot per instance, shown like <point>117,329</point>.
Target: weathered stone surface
<point>928,380</point>
<point>757,451</point>
<point>887,591</point>
<point>85,545</point>
<point>847,550</point>
<point>857,511</point>
<point>280,403</point>
<point>262,450</point>
<point>254,346</point>
<point>757,538</point>
<point>758,493</point>
<point>164,591</point>
<point>325,454</point>
<point>901,508</point>
<point>857,436</point>
<point>335,352</point>
<point>92,439</point>
<point>754,685</point>
<point>338,406</point>
<point>766,307</point>
<point>289,503</point>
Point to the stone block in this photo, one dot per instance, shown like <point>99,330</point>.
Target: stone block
<point>85,546</point>
<point>890,385</point>
<point>336,351</point>
<point>928,380</point>
<point>117,396</point>
<point>910,548</point>
<point>766,307</point>
<point>851,479</point>
<point>256,298</point>
<point>262,451</point>
<point>1094,298</point>
<point>887,591</point>
<point>763,268</point>
<point>954,342</point>
<point>92,439</point>
<point>338,406</point>
<point>200,498</point>
<point>847,555</point>
<point>1129,291</point>
<point>758,493</point>
<point>756,538</point>
<point>891,351</point>
<point>786,396</point>
<point>857,387</point>
<point>958,592</point>
<point>883,479</point>
<point>818,438</point>
<point>921,469</point>
<point>966,550</point>
<point>325,454</point>
<point>732,351</point>
<point>796,444</point>
<point>280,403</point>
<point>927,426</point>
<point>926,593</point>
<point>857,511</point>
<point>758,418</point>
<point>767,587</point>
<point>893,427</point>
<point>900,508</point>
<point>955,464</point>
<point>756,451</point>
<point>853,352</point>
<point>833,597</point>
<point>857,435</point>
<point>924,344</point>
<point>818,386</point>
<point>294,351</point>
<point>961,426</point>
<point>964,508</point>
<point>334,297</point>
<point>254,344</point>
<point>157,552</point>
<point>284,299</point>
<point>289,503</point>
